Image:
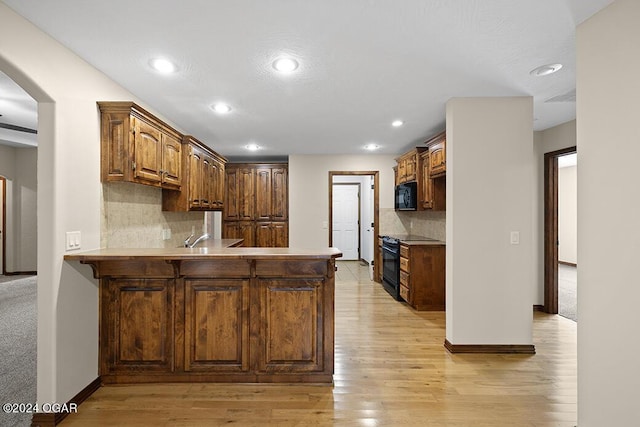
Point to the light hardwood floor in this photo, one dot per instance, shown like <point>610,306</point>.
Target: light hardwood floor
<point>391,370</point>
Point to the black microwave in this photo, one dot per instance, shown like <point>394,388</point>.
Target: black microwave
<point>407,196</point>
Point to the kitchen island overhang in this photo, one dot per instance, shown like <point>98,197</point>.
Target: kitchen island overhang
<point>215,314</point>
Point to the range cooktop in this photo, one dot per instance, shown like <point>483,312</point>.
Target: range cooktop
<point>408,237</point>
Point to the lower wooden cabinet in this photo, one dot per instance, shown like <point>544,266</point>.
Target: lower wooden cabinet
<point>294,338</point>
<point>261,234</point>
<point>216,325</point>
<point>379,260</point>
<point>228,320</point>
<point>245,230</point>
<point>422,276</point>
<point>272,234</point>
<point>139,315</point>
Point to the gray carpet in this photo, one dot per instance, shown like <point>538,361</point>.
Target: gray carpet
<point>17,345</point>
<point>568,292</point>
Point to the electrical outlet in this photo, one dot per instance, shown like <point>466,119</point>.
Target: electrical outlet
<point>166,234</point>
<point>73,240</point>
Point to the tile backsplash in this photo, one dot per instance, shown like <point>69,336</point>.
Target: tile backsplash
<point>132,217</point>
<point>423,223</point>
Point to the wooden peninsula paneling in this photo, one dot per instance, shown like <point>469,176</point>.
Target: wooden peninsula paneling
<point>215,314</point>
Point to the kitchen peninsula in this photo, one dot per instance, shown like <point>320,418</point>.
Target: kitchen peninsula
<point>215,313</point>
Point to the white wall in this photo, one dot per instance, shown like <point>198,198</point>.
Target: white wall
<point>490,180</point>
<point>608,67</point>
<point>18,165</point>
<point>309,192</point>
<point>69,197</point>
<point>567,214</point>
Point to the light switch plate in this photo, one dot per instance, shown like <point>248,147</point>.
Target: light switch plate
<point>515,237</point>
<point>73,240</point>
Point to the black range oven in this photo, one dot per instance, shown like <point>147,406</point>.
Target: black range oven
<point>391,266</point>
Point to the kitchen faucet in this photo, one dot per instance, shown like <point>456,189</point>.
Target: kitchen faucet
<point>188,244</point>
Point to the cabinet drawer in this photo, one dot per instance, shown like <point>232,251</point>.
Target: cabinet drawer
<point>404,251</point>
<point>404,264</point>
<point>404,278</point>
<point>404,293</point>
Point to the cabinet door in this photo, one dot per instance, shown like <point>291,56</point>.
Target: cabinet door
<point>218,184</point>
<point>141,335</point>
<point>426,195</point>
<point>280,194</point>
<point>216,335</point>
<point>437,159</point>
<point>231,197</point>
<point>246,231</point>
<point>264,237</point>
<point>291,337</point>
<point>263,194</point>
<point>195,178</point>
<point>206,181</point>
<point>148,152</point>
<point>246,194</point>
<point>279,234</point>
<point>171,162</point>
<point>240,230</point>
<point>402,171</point>
<point>410,168</point>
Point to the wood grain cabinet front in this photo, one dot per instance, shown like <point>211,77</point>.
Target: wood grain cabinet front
<point>408,166</point>
<point>138,147</point>
<point>258,192</point>
<point>291,330</point>
<point>422,276</point>
<point>137,326</point>
<point>238,319</point>
<point>203,180</point>
<point>216,326</point>
<point>437,155</point>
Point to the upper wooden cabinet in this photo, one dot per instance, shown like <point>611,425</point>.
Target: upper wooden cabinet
<point>437,155</point>
<point>202,181</point>
<point>138,147</point>
<point>271,193</point>
<point>256,205</point>
<point>408,165</point>
<point>239,197</point>
<point>256,192</point>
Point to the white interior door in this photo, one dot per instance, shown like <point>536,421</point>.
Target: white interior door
<point>345,217</point>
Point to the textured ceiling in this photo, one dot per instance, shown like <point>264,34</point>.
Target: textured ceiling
<point>363,63</point>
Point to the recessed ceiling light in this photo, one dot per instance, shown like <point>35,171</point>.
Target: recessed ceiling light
<point>371,147</point>
<point>252,147</point>
<point>545,70</point>
<point>397,123</point>
<point>285,64</point>
<point>163,65</point>
<point>221,108</point>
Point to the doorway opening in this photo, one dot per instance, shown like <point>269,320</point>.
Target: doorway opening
<point>560,261</point>
<point>3,223</point>
<point>343,207</point>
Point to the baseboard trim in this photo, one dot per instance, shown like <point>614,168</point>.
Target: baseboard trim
<point>21,273</point>
<point>51,420</point>
<point>570,264</point>
<point>490,348</point>
<point>538,307</point>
